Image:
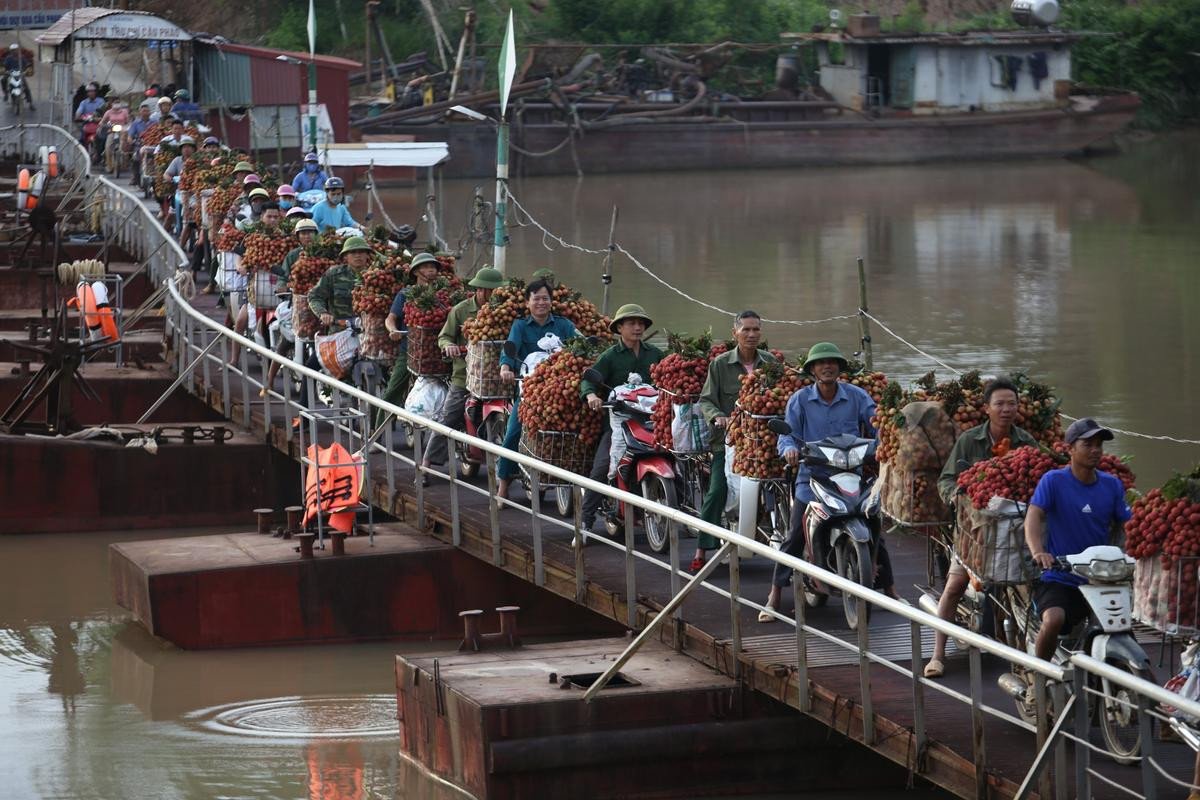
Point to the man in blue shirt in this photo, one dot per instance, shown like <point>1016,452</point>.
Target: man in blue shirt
<point>311,177</point>
<point>826,408</point>
<point>92,104</point>
<point>1072,509</point>
<point>525,334</point>
<point>332,212</point>
<point>185,109</point>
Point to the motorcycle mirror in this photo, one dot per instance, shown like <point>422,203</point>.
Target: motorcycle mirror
<point>592,375</point>
<point>779,427</point>
<point>510,349</point>
<point>593,340</point>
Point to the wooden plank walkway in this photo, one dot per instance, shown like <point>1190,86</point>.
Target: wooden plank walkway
<point>768,660</point>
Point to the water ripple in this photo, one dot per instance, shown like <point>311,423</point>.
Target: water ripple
<point>329,717</point>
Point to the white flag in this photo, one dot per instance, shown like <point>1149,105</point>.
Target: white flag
<point>508,64</point>
<point>312,28</point>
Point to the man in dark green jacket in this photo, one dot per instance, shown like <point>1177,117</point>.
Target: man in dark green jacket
<point>630,354</point>
<point>717,399</point>
<point>993,438</point>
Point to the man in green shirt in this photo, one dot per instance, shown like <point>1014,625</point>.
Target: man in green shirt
<point>717,399</point>
<point>331,298</point>
<point>993,438</point>
<point>454,345</point>
<point>306,234</point>
<point>629,354</point>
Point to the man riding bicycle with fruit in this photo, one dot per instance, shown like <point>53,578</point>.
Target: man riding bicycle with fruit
<point>717,399</point>
<point>1073,508</point>
<point>991,439</point>
<point>826,408</point>
<point>453,342</point>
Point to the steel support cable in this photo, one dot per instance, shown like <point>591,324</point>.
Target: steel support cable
<point>914,348</point>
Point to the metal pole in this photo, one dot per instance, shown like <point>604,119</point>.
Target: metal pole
<point>667,611</point>
<point>312,102</point>
<point>864,327</point>
<point>501,240</point>
<point>606,278</point>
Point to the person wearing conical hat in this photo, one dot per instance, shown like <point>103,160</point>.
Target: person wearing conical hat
<point>454,345</point>
<point>828,407</point>
<point>627,356</point>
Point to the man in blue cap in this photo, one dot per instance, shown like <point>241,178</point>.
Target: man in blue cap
<point>1073,508</point>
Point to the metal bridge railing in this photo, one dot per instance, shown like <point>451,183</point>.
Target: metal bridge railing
<point>199,346</point>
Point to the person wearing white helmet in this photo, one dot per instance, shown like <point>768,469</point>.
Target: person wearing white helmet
<point>306,234</point>
<point>332,212</point>
<point>15,60</point>
<point>163,109</point>
<point>118,114</point>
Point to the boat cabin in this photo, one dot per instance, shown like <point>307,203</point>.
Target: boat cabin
<point>943,73</point>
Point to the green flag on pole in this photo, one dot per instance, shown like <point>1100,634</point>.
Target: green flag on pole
<point>508,64</point>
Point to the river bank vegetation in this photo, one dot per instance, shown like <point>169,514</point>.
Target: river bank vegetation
<point>1150,47</point>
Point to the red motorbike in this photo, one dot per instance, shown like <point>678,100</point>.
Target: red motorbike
<point>483,418</point>
<point>91,126</point>
<point>643,469</point>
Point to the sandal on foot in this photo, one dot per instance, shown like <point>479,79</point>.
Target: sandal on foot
<point>766,616</point>
<point>697,564</point>
<point>935,668</point>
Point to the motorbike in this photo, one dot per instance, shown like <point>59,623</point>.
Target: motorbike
<point>842,530</point>
<point>16,90</point>
<point>91,127</point>
<point>114,150</point>
<point>1106,635</point>
<point>483,418</point>
<point>643,468</point>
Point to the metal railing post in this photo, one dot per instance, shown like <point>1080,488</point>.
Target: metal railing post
<point>578,542</point>
<point>452,471</point>
<point>389,444</point>
<point>1083,725</point>
<point>918,688</point>
<point>977,742</point>
<point>804,700</point>
<point>1043,728</point>
<point>1059,693</point>
<point>265,366</point>
<point>630,577</point>
<point>864,673</point>
<point>535,505</point>
<point>226,400</point>
<point>245,365</point>
<point>419,475</point>
<point>493,506</point>
<point>1146,726</point>
<point>735,608</point>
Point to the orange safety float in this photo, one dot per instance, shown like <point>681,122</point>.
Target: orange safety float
<point>36,185</point>
<point>339,487</point>
<point>22,188</point>
<point>52,161</point>
<point>92,301</point>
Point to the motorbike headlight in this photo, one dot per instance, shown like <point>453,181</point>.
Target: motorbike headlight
<point>828,499</point>
<point>1113,571</point>
<point>118,128</point>
<point>857,454</point>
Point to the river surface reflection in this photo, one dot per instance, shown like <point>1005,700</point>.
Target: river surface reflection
<point>1083,275</point>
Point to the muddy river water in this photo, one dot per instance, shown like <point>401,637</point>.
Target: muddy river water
<point>1084,275</point>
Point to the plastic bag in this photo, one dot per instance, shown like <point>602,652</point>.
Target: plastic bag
<point>426,397</point>
<point>733,482</point>
<point>1187,683</point>
<point>635,393</point>
<point>548,345</point>
<point>689,430</point>
<point>336,351</point>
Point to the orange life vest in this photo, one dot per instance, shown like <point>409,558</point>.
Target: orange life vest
<point>338,488</point>
<point>92,301</point>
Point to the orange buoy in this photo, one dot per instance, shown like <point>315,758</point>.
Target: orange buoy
<point>52,162</point>
<point>37,185</point>
<point>22,187</point>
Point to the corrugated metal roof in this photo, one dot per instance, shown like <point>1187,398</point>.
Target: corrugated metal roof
<point>271,53</point>
<point>968,39</point>
<point>72,21</point>
<point>224,78</point>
